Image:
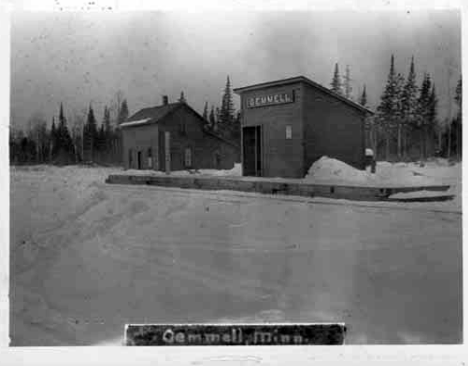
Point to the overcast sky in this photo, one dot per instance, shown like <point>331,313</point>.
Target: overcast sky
<point>78,58</point>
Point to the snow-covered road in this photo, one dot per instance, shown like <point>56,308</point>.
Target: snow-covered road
<point>87,258</point>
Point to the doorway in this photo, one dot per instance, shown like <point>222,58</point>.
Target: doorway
<point>252,149</point>
<point>139,160</point>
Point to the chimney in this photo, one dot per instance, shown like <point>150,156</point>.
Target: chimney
<point>165,100</point>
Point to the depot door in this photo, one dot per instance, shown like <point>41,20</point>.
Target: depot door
<point>252,151</point>
<point>139,160</point>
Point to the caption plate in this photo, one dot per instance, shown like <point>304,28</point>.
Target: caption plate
<point>234,334</point>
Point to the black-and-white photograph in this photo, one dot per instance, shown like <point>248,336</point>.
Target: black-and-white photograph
<point>235,167</point>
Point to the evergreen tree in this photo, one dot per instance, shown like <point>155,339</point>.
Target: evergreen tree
<point>409,105</point>
<point>123,112</point>
<point>212,117</point>
<point>205,111</point>
<point>226,114</point>
<point>217,119</point>
<point>363,100</point>
<point>423,106</point>
<point>101,140</point>
<point>64,142</point>
<point>107,122</point>
<point>388,109</point>
<point>53,141</point>
<point>432,115</point>
<point>347,83</point>
<point>399,87</point>
<point>107,131</point>
<point>90,135</point>
<point>336,85</point>
<point>458,95</point>
<point>457,125</point>
<point>424,113</point>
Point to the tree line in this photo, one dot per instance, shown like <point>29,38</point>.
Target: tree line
<point>86,141</point>
<point>406,125</point>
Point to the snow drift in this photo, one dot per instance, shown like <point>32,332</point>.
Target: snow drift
<point>411,174</point>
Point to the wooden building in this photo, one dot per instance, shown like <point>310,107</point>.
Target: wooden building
<point>172,137</point>
<point>288,124</point>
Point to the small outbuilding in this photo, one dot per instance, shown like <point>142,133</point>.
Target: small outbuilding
<point>172,137</point>
<point>289,124</point>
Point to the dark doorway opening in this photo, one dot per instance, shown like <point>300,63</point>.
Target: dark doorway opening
<point>139,160</point>
<point>252,146</point>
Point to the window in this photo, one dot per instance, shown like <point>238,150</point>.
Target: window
<point>217,160</point>
<point>130,162</point>
<point>188,157</point>
<point>182,128</point>
<point>150,158</point>
<point>288,132</point>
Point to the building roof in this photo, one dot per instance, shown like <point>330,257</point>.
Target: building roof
<point>151,115</point>
<point>303,79</point>
<point>156,114</point>
<point>135,123</point>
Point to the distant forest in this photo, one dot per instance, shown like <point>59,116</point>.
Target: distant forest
<point>87,141</point>
<point>405,125</point>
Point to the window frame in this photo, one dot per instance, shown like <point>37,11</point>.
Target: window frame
<point>188,157</point>
<point>288,132</point>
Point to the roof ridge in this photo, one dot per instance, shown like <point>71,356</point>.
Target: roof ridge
<point>307,81</point>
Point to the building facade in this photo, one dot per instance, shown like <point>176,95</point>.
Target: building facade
<point>172,137</point>
<point>289,124</point>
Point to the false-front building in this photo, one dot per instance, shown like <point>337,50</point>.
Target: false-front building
<point>288,124</point>
<point>172,137</point>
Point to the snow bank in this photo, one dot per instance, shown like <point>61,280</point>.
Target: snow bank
<point>328,169</point>
<point>336,171</point>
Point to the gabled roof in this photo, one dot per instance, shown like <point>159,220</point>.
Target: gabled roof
<point>156,114</point>
<point>307,81</point>
<point>151,115</point>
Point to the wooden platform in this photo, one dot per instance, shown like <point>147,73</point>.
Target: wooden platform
<point>295,187</point>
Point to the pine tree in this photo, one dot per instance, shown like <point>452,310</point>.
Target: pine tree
<point>107,133</point>
<point>347,83</point>
<point>64,142</point>
<point>336,85</point>
<point>226,114</point>
<point>424,109</point>
<point>458,120</point>
<point>107,122</point>
<point>205,112</point>
<point>388,109</point>
<point>399,87</point>
<point>458,95</point>
<point>217,119</point>
<point>409,105</point>
<point>363,100</point>
<point>123,112</point>
<point>212,117</point>
<point>53,141</point>
<point>90,135</point>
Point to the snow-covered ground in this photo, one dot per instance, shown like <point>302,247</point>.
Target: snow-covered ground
<point>87,257</point>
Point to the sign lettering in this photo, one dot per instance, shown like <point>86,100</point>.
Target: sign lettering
<point>272,99</point>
